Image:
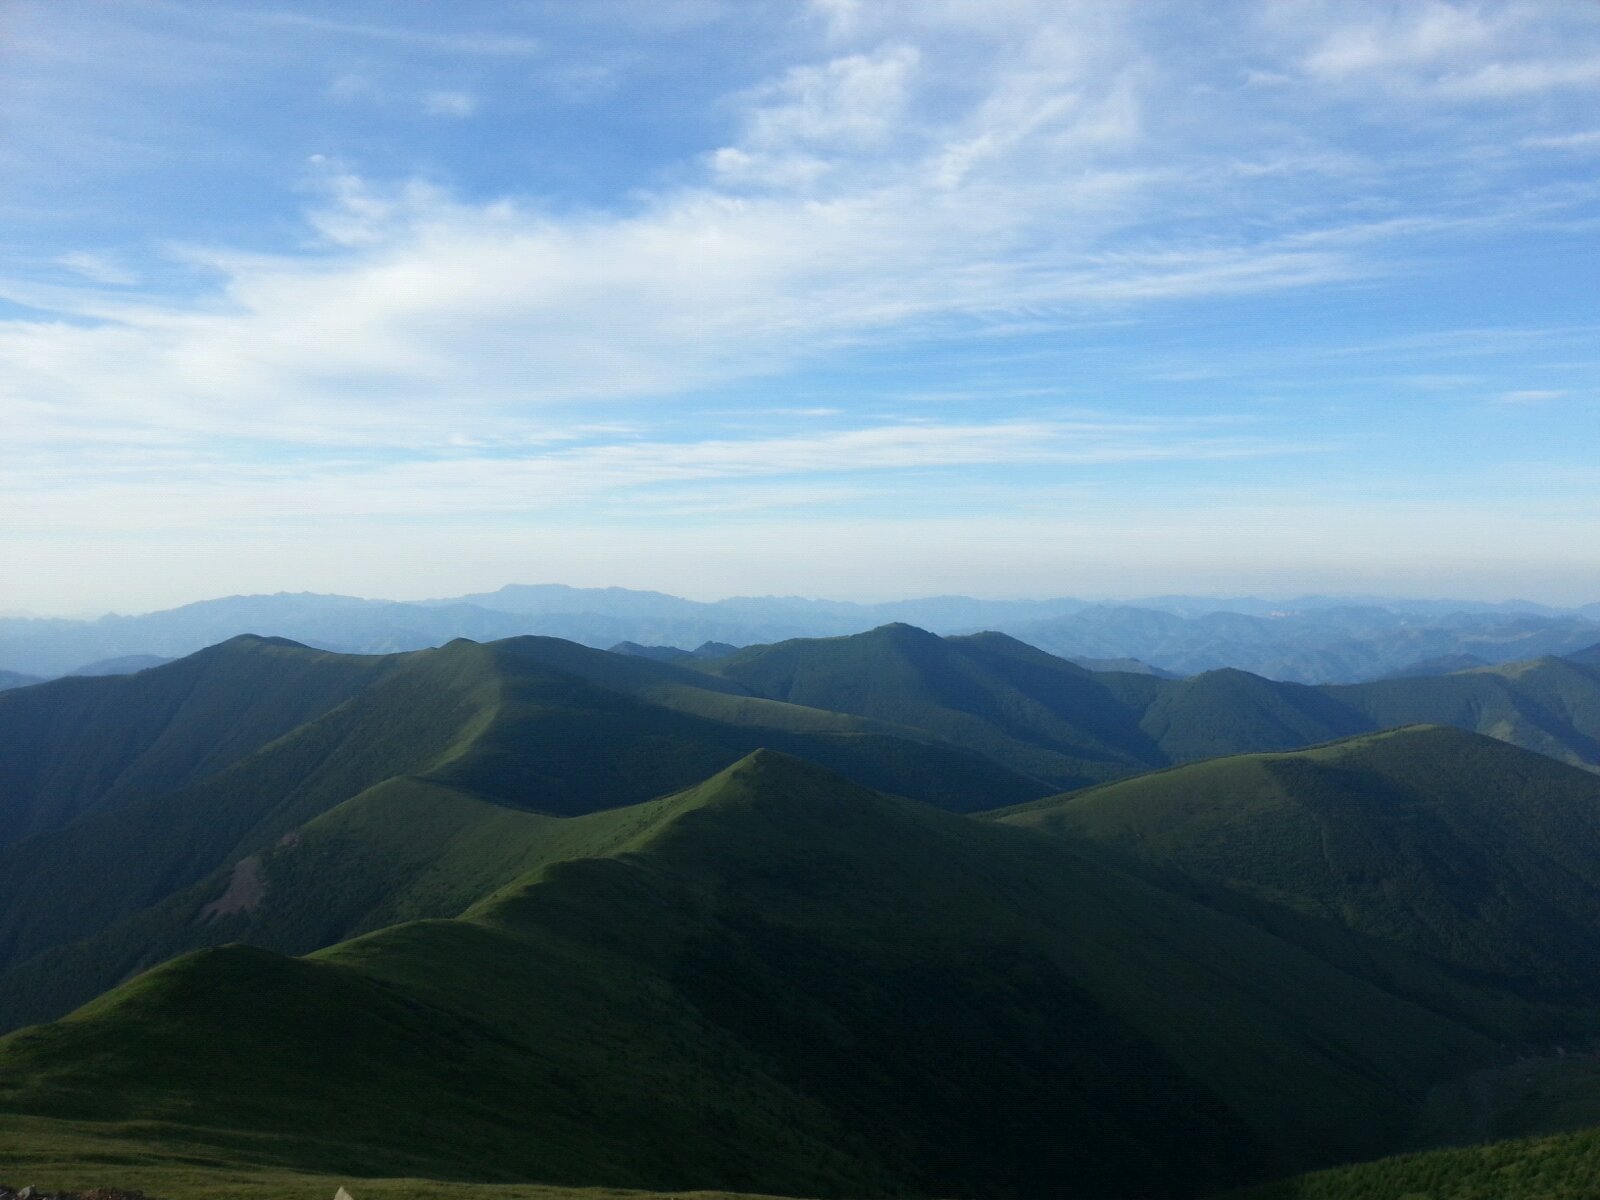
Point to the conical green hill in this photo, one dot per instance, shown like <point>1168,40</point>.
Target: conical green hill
<point>1223,712</point>
<point>1035,712</point>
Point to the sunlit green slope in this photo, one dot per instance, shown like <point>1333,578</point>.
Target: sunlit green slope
<point>1564,1167</point>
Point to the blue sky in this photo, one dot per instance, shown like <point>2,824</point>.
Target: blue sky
<point>852,299</point>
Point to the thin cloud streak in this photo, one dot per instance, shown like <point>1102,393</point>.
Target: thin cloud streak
<point>117,487</point>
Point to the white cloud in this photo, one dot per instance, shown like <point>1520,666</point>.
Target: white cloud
<point>801,127</point>
<point>450,104</point>
<point>1451,51</point>
<point>866,196</point>
<point>1497,79</point>
<point>1418,34</point>
<point>1582,140</point>
<point>416,303</point>
<point>470,43</point>
<point>941,169</point>
<point>111,484</point>
<point>98,268</point>
<point>1526,396</point>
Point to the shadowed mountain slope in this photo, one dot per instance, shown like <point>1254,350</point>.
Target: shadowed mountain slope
<point>1222,712</point>
<point>147,847</point>
<point>1476,857</point>
<point>1551,705</point>
<point>77,746</point>
<point>154,788</point>
<point>1035,712</point>
<point>773,981</point>
<point>1050,719</point>
<point>126,664</point>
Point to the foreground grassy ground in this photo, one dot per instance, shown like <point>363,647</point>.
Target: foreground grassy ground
<point>1565,1167</point>
<point>55,1156</point>
<point>58,1157</point>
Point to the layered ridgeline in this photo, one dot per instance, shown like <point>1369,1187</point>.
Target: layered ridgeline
<point>1440,864</point>
<point>774,981</point>
<point>1072,727</point>
<point>165,805</point>
<point>539,950</point>
<point>145,815</point>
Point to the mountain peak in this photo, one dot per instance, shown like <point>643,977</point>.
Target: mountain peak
<point>901,631</point>
<point>767,769</point>
<point>257,639</point>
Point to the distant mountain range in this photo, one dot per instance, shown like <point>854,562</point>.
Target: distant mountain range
<point>1308,640</point>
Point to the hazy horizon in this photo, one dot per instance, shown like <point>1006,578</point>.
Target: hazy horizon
<point>837,298</point>
<point>1114,598</point>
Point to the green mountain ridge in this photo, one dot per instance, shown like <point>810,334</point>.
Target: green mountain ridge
<point>1056,721</point>
<point>160,785</point>
<point>775,981</point>
<point>75,746</point>
<point>1477,859</point>
<point>657,924</point>
<point>534,724</point>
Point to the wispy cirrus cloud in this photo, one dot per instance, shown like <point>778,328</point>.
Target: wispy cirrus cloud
<point>862,196</point>
<point>489,43</point>
<point>1451,51</point>
<point>1523,396</point>
<point>170,486</point>
<point>888,180</point>
<point>98,268</point>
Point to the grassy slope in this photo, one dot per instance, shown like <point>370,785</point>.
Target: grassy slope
<point>578,729</point>
<point>1550,705</point>
<point>1037,713</point>
<point>1044,716</point>
<point>512,723</point>
<point>774,981</point>
<point>403,850</point>
<point>1565,1167</point>
<point>58,1156</point>
<point>537,722</point>
<point>1477,861</point>
<point>1224,712</point>
<point>140,852</point>
<point>79,745</point>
